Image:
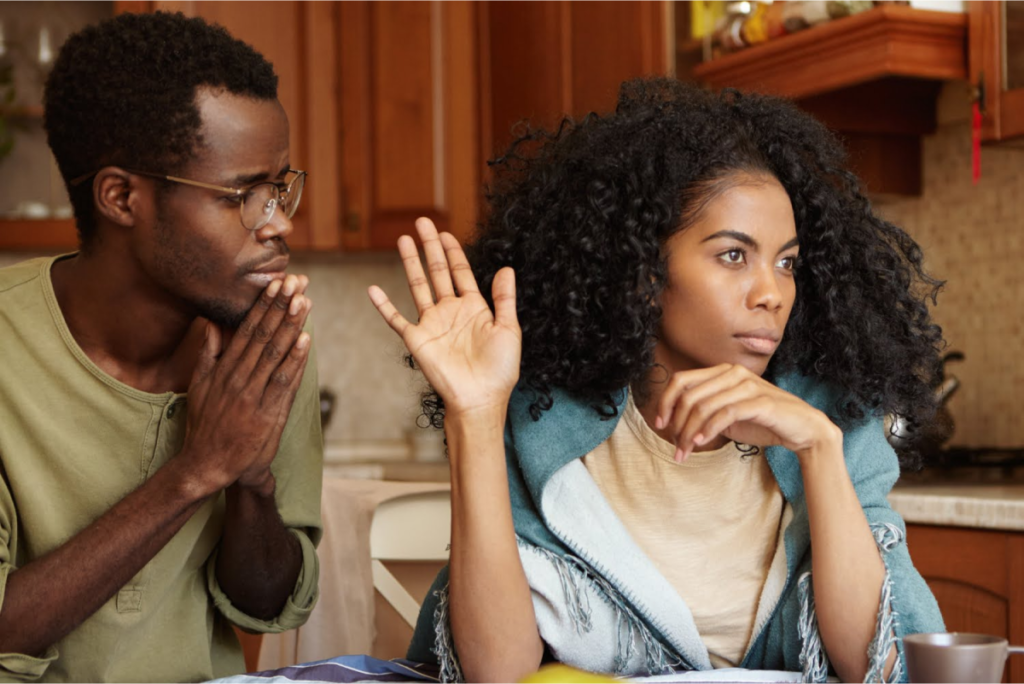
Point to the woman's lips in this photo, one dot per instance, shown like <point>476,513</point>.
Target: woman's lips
<point>759,344</point>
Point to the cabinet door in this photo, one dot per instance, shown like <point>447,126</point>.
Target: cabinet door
<point>410,115</point>
<point>299,39</point>
<point>977,577</point>
<point>996,63</point>
<point>548,59</point>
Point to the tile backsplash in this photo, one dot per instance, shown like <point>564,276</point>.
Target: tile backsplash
<point>972,236</point>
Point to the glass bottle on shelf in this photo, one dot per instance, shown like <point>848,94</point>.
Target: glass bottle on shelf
<point>729,33</point>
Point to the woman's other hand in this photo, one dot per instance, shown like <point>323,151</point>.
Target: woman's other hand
<point>699,405</point>
<point>469,355</point>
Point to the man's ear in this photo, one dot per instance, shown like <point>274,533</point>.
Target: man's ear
<point>112,193</point>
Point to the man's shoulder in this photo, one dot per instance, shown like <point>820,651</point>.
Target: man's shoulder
<point>24,272</point>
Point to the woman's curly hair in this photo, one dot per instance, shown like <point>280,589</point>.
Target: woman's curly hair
<point>583,213</point>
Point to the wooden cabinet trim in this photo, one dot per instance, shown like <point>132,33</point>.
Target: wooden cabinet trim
<point>885,41</point>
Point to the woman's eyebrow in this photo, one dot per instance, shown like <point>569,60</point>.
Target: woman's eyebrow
<point>795,242</point>
<point>735,235</point>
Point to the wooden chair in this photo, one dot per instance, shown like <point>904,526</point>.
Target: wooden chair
<point>412,527</point>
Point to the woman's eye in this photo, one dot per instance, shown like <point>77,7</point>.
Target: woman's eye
<point>787,263</point>
<point>733,256</point>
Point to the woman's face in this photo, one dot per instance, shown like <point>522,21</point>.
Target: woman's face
<point>730,282</point>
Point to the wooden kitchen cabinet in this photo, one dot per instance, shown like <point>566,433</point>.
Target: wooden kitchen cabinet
<point>49,234</point>
<point>873,77</point>
<point>546,59</point>
<point>977,577</point>
<point>996,67</point>
<point>395,107</point>
<point>383,103</point>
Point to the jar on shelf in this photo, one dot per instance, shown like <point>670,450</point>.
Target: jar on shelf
<point>729,33</point>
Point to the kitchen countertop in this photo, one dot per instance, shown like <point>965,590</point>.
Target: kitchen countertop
<point>981,498</point>
<point>942,501</point>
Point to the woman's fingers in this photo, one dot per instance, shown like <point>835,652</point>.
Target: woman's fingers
<point>437,262</point>
<point>462,273</point>
<point>695,423</point>
<point>387,310</point>
<point>682,391</point>
<point>419,286</point>
<point>503,290</point>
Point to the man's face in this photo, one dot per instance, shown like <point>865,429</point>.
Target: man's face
<point>193,244</point>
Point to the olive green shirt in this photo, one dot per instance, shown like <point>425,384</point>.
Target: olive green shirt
<point>73,442</point>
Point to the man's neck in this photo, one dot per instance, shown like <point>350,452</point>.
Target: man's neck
<point>128,327</point>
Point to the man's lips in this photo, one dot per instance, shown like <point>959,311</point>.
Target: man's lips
<point>270,271</point>
<point>763,341</point>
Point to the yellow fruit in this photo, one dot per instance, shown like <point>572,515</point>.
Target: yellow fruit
<point>556,673</point>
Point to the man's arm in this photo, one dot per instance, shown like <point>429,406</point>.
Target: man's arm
<point>235,403</point>
<point>259,559</point>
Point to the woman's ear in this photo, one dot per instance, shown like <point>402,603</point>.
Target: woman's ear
<point>112,190</point>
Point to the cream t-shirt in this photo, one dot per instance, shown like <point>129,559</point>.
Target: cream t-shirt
<point>709,524</point>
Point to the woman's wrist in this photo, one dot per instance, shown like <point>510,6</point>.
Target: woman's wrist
<point>827,442</point>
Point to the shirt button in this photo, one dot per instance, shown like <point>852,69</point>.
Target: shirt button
<point>171,409</point>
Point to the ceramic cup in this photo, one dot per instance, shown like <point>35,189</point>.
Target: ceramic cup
<point>956,657</point>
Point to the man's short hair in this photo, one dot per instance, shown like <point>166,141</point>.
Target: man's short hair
<point>122,93</point>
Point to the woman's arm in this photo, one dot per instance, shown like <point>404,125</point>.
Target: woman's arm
<point>470,356</point>
<point>847,569</point>
<point>493,623</point>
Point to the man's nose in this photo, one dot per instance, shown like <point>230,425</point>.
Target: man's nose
<point>279,226</point>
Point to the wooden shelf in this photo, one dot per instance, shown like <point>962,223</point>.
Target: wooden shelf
<point>26,112</point>
<point>38,234</point>
<point>886,41</point>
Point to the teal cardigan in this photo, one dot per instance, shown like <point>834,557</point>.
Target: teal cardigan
<point>546,477</point>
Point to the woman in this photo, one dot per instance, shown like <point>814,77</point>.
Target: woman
<point>665,441</point>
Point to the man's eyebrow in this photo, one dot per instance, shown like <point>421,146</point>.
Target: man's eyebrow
<point>249,179</point>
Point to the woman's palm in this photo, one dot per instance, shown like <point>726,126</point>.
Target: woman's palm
<point>469,355</point>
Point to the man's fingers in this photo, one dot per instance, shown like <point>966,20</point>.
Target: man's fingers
<point>437,261</point>
<point>205,364</point>
<point>387,310</point>
<point>281,385</point>
<point>503,290</point>
<point>264,338</point>
<point>275,351</point>
<point>248,327</point>
<point>419,286</point>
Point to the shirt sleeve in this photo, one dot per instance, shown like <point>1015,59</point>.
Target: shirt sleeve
<point>298,470</point>
<point>15,667</point>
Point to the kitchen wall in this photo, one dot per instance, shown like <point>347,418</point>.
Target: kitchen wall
<point>973,237</point>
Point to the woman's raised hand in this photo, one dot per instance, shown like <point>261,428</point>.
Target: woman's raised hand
<point>469,355</point>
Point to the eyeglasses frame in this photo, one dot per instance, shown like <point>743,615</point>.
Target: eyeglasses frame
<point>237,192</point>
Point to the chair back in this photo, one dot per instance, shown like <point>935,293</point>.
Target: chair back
<point>412,527</point>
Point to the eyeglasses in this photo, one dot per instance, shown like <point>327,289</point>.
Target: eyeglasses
<point>256,203</point>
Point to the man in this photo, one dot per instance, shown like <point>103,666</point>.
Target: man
<point>138,523</point>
